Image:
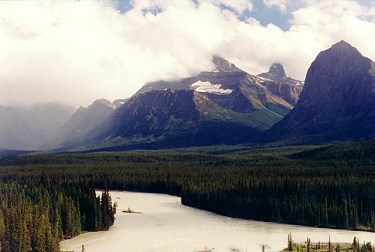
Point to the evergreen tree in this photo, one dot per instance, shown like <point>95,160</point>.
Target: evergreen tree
<point>2,229</point>
<point>290,242</point>
<point>308,245</point>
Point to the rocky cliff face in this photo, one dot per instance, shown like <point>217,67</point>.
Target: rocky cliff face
<point>279,84</point>
<point>172,118</point>
<point>339,78</point>
<point>277,72</point>
<point>154,113</point>
<point>337,102</point>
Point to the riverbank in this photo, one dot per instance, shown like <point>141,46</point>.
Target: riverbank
<point>166,225</point>
<point>328,246</point>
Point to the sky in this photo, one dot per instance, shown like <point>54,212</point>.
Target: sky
<point>78,51</point>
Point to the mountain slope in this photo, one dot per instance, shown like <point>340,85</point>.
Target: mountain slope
<point>337,102</point>
<point>174,118</point>
<point>82,125</point>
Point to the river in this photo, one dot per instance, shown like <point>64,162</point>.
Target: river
<point>166,225</point>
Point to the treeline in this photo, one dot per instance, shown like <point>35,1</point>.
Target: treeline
<point>313,197</point>
<point>37,212</point>
<point>329,246</point>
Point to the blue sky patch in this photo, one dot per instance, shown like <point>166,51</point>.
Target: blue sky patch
<point>264,14</point>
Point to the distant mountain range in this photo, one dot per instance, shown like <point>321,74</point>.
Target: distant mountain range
<point>223,105</point>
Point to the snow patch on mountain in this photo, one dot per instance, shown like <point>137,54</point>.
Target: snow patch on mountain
<point>262,79</point>
<point>208,87</point>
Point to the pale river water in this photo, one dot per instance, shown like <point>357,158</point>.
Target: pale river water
<point>166,225</point>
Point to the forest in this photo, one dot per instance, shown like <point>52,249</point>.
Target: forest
<point>51,196</point>
<point>38,211</point>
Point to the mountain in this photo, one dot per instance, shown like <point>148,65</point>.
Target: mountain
<point>83,123</point>
<point>274,83</point>
<point>224,66</point>
<point>117,103</point>
<point>221,106</point>
<point>174,118</point>
<point>222,69</point>
<point>279,84</point>
<point>30,127</point>
<point>337,102</point>
<point>224,105</point>
<point>229,87</point>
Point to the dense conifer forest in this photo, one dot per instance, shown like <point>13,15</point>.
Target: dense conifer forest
<point>47,197</point>
<point>38,210</point>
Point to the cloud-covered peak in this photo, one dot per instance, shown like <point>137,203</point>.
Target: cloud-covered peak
<point>277,70</point>
<point>222,65</point>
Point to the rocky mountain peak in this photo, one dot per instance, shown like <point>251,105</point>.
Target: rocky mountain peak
<point>342,51</point>
<point>222,65</point>
<point>343,45</point>
<point>338,76</point>
<point>277,82</point>
<point>337,102</point>
<point>276,73</point>
<point>277,70</point>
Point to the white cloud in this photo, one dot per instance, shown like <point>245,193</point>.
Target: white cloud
<point>77,52</point>
<point>281,4</point>
<point>314,28</point>
<point>335,20</point>
<point>238,6</point>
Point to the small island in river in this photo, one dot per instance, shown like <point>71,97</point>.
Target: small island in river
<point>130,211</point>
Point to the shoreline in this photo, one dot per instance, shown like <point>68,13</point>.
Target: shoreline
<point>167,225</point>
<point>239,218</point>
